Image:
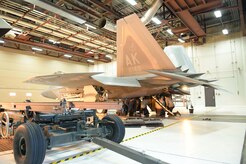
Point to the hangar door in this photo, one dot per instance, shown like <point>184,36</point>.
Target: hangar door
<point>209,96</point>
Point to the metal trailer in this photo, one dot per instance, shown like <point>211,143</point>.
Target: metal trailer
<point>35,131</point>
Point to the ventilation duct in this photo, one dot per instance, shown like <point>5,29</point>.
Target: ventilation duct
<point>52,8</point>
<point>4,27</point>
<point>151,12</point>
<point>104,23</point>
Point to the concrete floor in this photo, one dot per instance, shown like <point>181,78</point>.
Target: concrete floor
<point>199,141</point>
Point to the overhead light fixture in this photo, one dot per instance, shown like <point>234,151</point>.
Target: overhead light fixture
<point>15,32</point>
<point>29,94</point>
<point>90,26</point>
<point>217,13</point>
<point>169,31</point>
<point>109,56</point>
<point>2,41</point>
<point>181,40</point>
<point>184,88</point>
<point>132,2</point>
<point>37,49</point>
<point>225,31</point>
<point>12,94</point>
<point>53,41</point>
<point>52,8</point>
<point>16,29</point>
<point>67,55</point>
<point>156,20</point>
<point>91,61</point>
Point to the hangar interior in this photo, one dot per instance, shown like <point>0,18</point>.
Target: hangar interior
<point>74,36</point>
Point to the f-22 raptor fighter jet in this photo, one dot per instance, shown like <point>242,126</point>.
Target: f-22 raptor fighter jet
<point>143,69</point>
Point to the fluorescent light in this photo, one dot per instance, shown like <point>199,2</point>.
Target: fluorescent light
<point>29,94</point>
<point>16,32</point>
<point>225,31</point>
<point>67,55</point>
<point>91,61</point>
<point>90,26</point>
<point>132,2</point>
<point>53,41</point>
<point>109,56</point>
<point>36,49</point>
<point>156,20</point>
<point>1,41</point>
<point>184,88</point>
<point>16,29</point>
<point>217,14</point>
<point>181,40</point>
<point>12,94</point>
<point>170,31</point>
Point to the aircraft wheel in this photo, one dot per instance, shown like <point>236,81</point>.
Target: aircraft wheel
<point>29,144</point>
<point>4,125</point>
<point>115,127</point>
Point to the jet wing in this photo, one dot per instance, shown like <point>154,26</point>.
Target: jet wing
<point>118,81</point>
<point>82,79</point>
<point>66,79</point>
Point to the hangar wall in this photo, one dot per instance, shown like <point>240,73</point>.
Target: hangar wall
<point>109,69</point>
<point>222,58</point>
<point>17,66</point>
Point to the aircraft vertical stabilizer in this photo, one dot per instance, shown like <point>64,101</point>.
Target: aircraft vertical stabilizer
<point>137,50</point>
<point>179,58</point>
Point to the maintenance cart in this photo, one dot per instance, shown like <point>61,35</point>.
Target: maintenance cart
<point>34,131</point>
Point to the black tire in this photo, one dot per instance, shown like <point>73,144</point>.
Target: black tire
<point>29,144</point>
<point>116,128</point>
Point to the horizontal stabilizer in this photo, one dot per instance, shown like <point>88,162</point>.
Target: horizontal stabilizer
<point>183,79</point>
<point>176,77</point>
<point>194,75</point>
<point>208,81</point>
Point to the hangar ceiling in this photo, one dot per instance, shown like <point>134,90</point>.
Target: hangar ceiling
<point>74,27</point>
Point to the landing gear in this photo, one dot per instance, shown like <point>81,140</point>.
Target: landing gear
<point>29,144</point>
<point>115,128</point>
